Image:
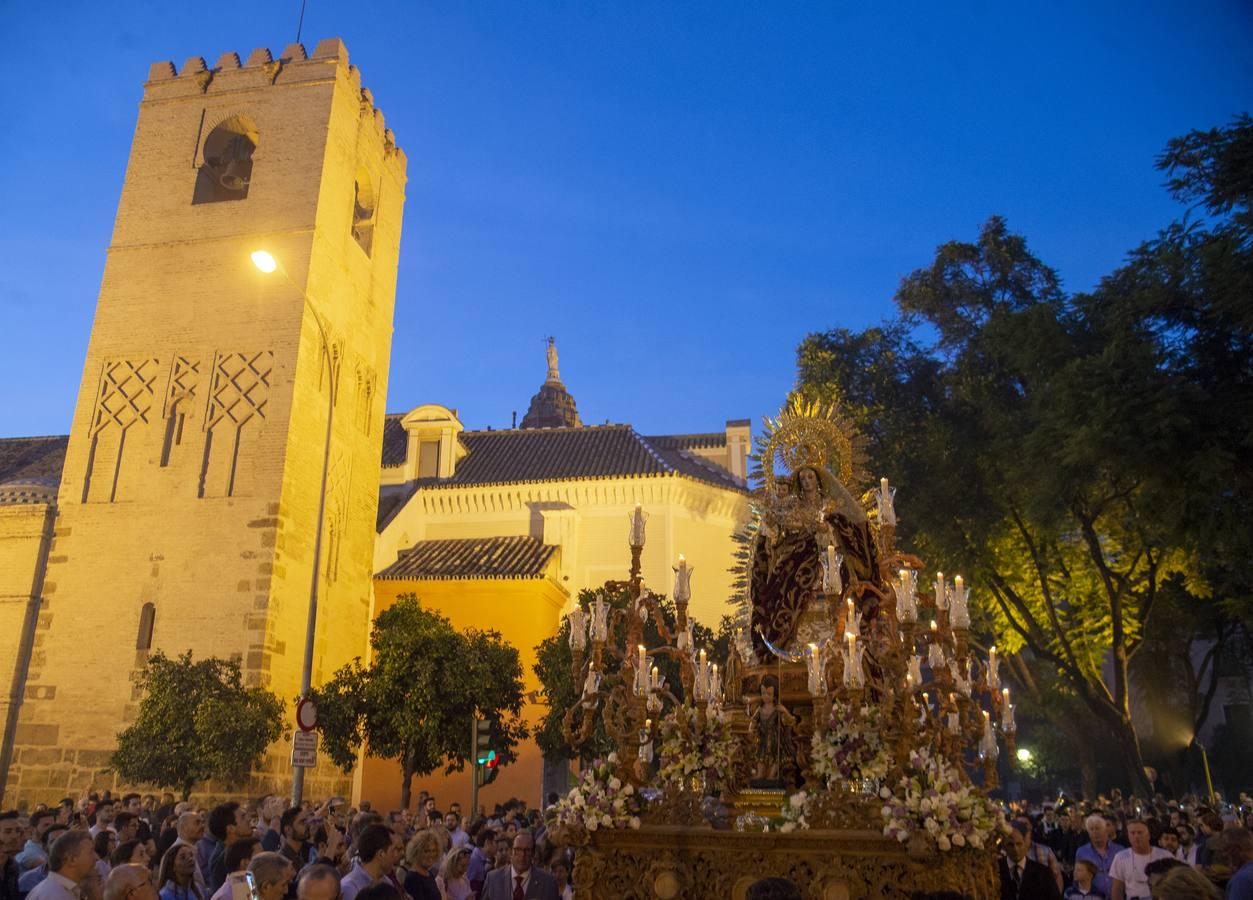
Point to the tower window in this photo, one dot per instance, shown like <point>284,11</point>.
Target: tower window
<point>147,617</point>
<point>363,211</point>
<point>226,172</point>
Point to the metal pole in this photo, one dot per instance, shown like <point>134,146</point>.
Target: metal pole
<point>1209,780</point>
<point>306,672</point>
<point>474,767</point>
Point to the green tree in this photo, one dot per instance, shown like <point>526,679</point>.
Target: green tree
<point>1037,438</point>
<point>197,721</point>
<point>553,668</point>
<point>415,701</point>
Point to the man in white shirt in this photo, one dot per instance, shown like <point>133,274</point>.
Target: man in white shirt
<point>71,859</point>
<point>1128,880</point>
<point>104,818</point>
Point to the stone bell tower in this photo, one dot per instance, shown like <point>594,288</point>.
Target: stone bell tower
<point>188,505</point>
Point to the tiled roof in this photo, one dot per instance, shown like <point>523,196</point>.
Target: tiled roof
<point>689,441</point>
<point>472,558</point>
<point>562,454</point>
<point>32,459</point>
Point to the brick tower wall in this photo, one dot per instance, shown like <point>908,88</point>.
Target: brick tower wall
<point>192,474</point>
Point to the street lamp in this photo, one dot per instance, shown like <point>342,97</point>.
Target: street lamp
<point>266,263</point>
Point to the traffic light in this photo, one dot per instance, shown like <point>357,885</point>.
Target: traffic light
<point>486,762</point>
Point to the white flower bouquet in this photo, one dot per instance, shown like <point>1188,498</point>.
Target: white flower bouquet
<point>599,800</point>
<point>687,753</point>
<point>934,798</point>
<point>852,747</point>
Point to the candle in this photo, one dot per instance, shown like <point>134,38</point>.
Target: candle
<point>941,598</point>
<point>994,678</point>
<point>935,652</point>
<point>887,513</point>
<point>922,714</point>
<point>832,583</point>
<point>915,668</point>
<point>907,597</point>
<point>852,621</point>
<point>959,613</point>
<point>682,581</point>
<point>578,628</point>
<point>638,518</point>
<point>814,671</point>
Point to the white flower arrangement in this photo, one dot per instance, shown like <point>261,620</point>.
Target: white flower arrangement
<point>686,754</point>
<point>852,747</point>
<point>599,800</point>
<point>934,797</point>
<point>795,815</point>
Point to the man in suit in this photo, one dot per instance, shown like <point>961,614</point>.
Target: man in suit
<point>520,880</point>
<point>1022,878</point>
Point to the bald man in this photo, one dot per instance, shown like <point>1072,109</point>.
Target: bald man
<point>129,882</point>
<point>190,829</point>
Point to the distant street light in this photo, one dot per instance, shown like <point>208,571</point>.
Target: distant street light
<point>265,262</point>
<point>1024,755</point>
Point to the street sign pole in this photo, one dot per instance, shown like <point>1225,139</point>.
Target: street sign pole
<point>474,766</point>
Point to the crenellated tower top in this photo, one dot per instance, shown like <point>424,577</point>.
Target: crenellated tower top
<point>294,65</point>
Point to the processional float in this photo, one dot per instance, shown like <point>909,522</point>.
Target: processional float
<point>847,740</point>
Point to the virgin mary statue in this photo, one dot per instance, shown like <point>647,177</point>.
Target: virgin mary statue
<point>807,513</point>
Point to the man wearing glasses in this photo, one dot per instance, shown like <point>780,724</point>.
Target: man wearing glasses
<point>130,882</point>
<point>520,880</point>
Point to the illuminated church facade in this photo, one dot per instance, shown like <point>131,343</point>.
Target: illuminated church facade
<point>179,513</point>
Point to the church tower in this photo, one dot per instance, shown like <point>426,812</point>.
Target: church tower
<point>188,506</point>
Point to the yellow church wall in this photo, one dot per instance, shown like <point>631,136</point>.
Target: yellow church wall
<point>23,528</point>
<point>525,612</point>
<point>588,520</point>
<point>187,330</point>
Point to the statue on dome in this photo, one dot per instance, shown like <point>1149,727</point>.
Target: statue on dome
<point>553,375</point>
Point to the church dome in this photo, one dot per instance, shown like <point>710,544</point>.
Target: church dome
<point>553,406</point>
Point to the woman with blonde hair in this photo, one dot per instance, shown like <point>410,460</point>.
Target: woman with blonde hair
<point>422,856</point>
<point>1185,883</point>
<point>453,882</point>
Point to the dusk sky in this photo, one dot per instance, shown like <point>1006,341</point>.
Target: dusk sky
<point>679,192</point>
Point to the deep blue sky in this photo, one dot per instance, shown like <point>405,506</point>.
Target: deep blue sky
<point>678,191</point>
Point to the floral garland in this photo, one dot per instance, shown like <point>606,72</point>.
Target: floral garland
<point>599,800</point>
<point>686,754</point>
<point>852,747</point>
<point>933,798</point>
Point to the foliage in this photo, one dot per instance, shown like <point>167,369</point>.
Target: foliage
<point>197,721</point>
<point>1095,448</point>
<point>554,662</point>
<point>415,700</point>
<point>599,800</point>
<point>934,798</point>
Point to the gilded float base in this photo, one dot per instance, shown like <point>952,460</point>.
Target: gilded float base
<point>676,863</point>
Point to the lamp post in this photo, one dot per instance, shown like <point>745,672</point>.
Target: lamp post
<point>265,262</point>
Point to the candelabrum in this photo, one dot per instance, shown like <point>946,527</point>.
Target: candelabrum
<point>630,699</point>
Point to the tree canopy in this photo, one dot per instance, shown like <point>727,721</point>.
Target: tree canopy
<point>414,702</point>
<point>1084,459</point>
<point>197,721</point>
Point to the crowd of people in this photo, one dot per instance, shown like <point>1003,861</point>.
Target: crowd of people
<point>141,848</point>
<point>1124,848</point>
